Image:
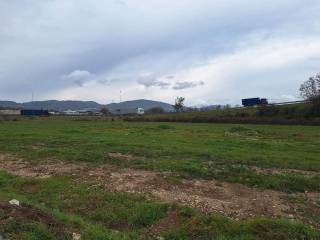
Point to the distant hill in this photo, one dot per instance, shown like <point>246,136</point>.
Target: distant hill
<point>51,105</point>
<point>9,104</point>
<point>145,104</point>
<point>82,105</point>
<point>61,105</point>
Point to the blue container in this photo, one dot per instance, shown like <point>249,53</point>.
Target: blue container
<point>264,101</point>
<point>31,112</point>
<point>248,102</point>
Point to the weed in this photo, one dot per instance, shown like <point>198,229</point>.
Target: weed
<point>165,127</point>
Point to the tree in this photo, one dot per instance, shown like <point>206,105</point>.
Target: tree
<point>179,104</point>
<point>104,111</point>
<point>228,106</point>
<point>218,107</point>
<point>310,89</point>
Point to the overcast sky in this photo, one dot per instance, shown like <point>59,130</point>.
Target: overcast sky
<point>208,51</point>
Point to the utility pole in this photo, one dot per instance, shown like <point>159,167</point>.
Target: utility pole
<point>32,99</point>
<point>120,96</point>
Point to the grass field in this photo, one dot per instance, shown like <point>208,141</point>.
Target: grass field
<point>220,151</point>
<point>281,158</point>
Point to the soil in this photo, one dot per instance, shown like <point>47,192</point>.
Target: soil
<point>127,157</point>
<point>27,212</point>
<point>24,213</point>
<point>267,171</point>
<point>170,222</point>
<point>208,196</point>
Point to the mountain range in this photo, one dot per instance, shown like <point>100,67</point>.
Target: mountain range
<point>85,105</point>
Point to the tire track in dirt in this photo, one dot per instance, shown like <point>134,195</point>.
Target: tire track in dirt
<point>208,196</point>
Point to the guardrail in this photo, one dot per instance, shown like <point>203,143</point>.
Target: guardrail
<point>289,103</point>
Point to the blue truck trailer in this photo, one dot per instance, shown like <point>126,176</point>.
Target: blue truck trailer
<point>249,102</point>
<point>32,112</point>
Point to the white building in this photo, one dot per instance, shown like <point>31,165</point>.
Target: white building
<point>11,112</point>
<point>127,111</point>
<point>70,113</point>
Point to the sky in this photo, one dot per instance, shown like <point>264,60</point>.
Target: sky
<point>208,51</point>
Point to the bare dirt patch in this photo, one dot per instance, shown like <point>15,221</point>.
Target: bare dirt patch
<point>127,157</point>
<point>26,213</point>
<point>233,200</point>
<point>37,146</point>
<point>47,168</point>
<point>268,171</point>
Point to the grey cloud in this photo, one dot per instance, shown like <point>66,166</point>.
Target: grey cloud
<point>184,85</point>
<point>55,37</point>
<point>79,77</point>
<point>151,81</point>
<point>121,2</point>
<point>108,81</point>
<point>315,59</point>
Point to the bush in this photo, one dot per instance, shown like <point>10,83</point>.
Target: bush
<point>146,214</point>
<point>166,127</point>
<point>155,110</point>
<point>268,111</point>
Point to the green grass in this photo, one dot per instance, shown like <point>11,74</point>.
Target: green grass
<point>216,227</point>
<point>97,214</point>
<point>211,151</point>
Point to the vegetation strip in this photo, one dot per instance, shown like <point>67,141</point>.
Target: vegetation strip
<point>307,113</point>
